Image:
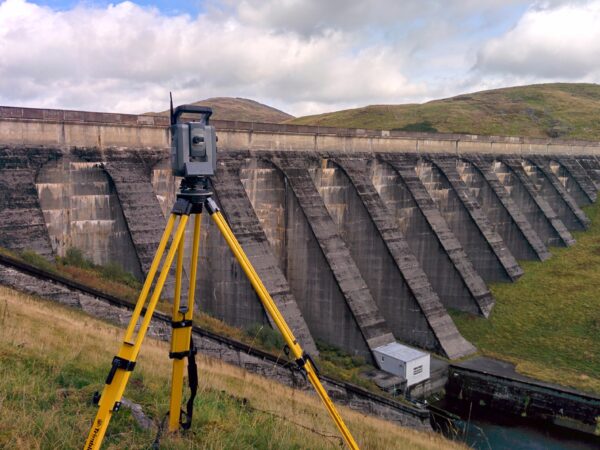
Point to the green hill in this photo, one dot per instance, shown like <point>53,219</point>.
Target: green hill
<point>548,322</point>
<point>230,108</point>
<point>564,110</point>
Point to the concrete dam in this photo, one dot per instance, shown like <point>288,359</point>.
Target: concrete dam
<point>362,237</point>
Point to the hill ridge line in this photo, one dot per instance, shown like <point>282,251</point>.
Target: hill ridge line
<point>57,116</point>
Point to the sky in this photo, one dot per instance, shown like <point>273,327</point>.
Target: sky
<point>304,57</point>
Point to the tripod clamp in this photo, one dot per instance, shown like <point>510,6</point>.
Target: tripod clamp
<point>301,362</point>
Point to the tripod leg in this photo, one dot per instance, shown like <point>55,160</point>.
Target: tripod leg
<point>182,327</point>
<point>302,359</point>
<point>124,362</point>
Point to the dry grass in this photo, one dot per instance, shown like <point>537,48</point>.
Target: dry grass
<point>230,108</point>
<point>567,110</point>
<point>333,362</point>
<point>53,358</point>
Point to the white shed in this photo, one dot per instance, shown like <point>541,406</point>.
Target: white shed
<point>406,362</point>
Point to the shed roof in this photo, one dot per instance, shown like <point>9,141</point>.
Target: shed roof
<point>401,352</point>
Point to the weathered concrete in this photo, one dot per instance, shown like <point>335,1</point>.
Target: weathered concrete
<point>347,264</point>
<point>246,226</point>
<point>141,209</point>
<point>32,126</point>
<point>392,273</point>
<point>574,179</point>
<point>493,238</point>
<point>577,178</point>
<point>81,210</point>
<point>373,327</point>
<point>472,235</point>
<point>591,165</point>
<point>22,223</point>
<point>424,206</point>
<point>551,169</point>
<point>546,183</point>
<point>493,386</point>
<point>267,189</point>
<point>219,274</point>
<point>165,185</point>
<point>501,211</point>
<point>299,255</point>
<point>223,290</point>
<point>548,225</point>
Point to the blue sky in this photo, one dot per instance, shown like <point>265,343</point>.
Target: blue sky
<point>303,56</point>
<point>165,6</point>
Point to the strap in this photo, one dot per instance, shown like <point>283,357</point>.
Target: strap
<point>193,382</point>
<point>301,362</point>
<point>119,363</point>
<point>182,324</point>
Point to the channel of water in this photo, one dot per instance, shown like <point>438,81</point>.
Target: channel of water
<point>486,431</point>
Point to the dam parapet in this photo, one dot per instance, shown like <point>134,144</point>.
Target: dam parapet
<point>65,128</point>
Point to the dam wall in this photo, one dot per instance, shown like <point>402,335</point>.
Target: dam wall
<point>362,237</point>
<point>53,127</point>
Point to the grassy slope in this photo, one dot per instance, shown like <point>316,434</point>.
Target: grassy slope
<point>230,108</point>
<point>566,110</point>
<point>548,322</point>
<point>53,358</point>
<point>332,362</point>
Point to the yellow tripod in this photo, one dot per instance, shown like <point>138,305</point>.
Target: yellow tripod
<point>190,201</point>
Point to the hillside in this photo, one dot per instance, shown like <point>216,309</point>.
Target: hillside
<point>243,109</point>
<point>552,334</point>
<point>53,358</point>
<point>565,110</point>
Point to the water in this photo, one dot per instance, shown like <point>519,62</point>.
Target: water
<point>485,435</point>
<point>487,432</point>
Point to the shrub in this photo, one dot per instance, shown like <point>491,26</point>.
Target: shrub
<point>268,337</point>
<point>31,257</point>
<point>114,272</point>
<point>75,257</point>
<point>423,127</point>
<point>339,357</point>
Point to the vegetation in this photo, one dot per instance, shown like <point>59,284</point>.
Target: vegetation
<point>53,358</point>
<point>111,278</point>
<point>340,365</point>
<point>565,110</point>
<point>267,338</point>
<point>548,322</point>
<point>229,108</point>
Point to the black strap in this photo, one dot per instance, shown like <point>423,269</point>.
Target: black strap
<point>119,363</point>
<point>182,324</point>
<point>301,362</point>
<point>193,382</point>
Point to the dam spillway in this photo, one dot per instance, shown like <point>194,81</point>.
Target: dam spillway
<point>361,238</point>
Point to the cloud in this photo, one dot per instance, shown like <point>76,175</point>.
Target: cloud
<point>303,57</point>
<point>551,41</point>
<point>310,17</point>
<point>126,58</point>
